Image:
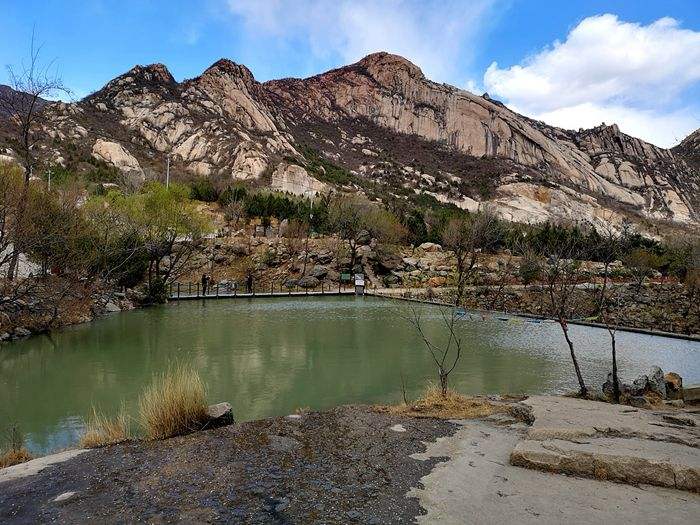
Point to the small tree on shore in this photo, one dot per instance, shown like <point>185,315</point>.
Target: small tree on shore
<point>562,276</point>
<point>445,355</point>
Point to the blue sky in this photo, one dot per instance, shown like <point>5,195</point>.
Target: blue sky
<point>572,64</point>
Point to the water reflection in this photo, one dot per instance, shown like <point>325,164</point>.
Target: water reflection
<point>271,356</point>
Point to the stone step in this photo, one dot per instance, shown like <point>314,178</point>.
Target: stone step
<point>626,460</point>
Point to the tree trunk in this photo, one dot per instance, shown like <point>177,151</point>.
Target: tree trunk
<point>582,386</point>
<point>443,383</point>
<point>616,381</point>
<point>604,287</point>
<point>21,209</point>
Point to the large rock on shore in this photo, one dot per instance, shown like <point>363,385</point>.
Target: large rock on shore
<point>611,442</point>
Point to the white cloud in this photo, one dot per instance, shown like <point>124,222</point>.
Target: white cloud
<point>432,34</point>
<point>609,70</point>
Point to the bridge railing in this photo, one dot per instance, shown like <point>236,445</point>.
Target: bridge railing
<point>188,290</point>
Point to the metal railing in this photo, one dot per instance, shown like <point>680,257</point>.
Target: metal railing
<point>194,290</point>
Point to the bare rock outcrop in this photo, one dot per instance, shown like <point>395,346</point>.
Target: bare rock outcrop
<point>116,155</point>
<point>294,179</point>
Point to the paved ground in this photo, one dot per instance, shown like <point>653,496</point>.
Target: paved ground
<point>477,485</point>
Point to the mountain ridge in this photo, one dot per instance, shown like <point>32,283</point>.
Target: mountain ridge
<point>460,148</point>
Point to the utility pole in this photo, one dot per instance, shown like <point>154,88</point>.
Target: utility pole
<point>167,172</point>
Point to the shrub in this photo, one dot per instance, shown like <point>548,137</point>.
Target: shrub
<point>530,268</point>
<point>173,404</point>
<point>16,452</point>
<point>102,431</point>
<point>203,190</point>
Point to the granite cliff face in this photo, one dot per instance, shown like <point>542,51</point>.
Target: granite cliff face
<point>382,120</point>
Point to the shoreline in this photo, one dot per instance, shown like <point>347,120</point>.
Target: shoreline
<point>631,329</point>
<point>380,464</point>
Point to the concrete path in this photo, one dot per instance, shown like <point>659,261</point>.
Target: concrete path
<point>477,485</point>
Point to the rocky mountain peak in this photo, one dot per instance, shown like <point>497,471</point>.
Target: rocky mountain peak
<point>609,139</point>
<point>383,63</point>
<point>689,148</point>
<point>229,69</point>
<point>156,73</point>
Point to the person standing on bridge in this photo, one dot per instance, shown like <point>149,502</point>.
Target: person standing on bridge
<point>205,283</point>
<point>249,283</point>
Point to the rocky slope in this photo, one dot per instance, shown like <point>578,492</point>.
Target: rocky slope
<point>388,126</point>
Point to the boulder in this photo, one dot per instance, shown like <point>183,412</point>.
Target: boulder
<point>657,383</point>
<point>309,282</point>
<point>324,257</point>
<point>388,262</point>
<point>391,279</point>
<point>318,271</point>
<point>111,307</point>
<point>674,386</point>
<point>430,247</point>
<point>639,386</point>
<point>291,283</point>
<point>435,282</point>
<point>220,414</point>
<point>20,332</point>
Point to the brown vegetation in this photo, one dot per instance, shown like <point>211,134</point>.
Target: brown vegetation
<point>102,431</point>
<point>173,404</point>
<point>451,405</point>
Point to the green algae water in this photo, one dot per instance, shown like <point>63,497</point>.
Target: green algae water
<point>270,357</point>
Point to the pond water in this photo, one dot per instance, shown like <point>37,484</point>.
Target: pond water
<point>272,356</point>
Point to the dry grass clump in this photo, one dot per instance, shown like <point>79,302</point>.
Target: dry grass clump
<point>16,452</point>
<point>102,431</point>
<point>13,456</point>
<point>173,404</point>
<point>451,406</point>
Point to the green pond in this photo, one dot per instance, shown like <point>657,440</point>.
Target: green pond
<point>272,356</point>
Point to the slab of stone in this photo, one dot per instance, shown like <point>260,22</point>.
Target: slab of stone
<point>623,460</point>
<point>37,465</point>
<point>571,418</point>
<point>476,484</point>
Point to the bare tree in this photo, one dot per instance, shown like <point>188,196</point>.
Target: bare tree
<point>562,274</point>
<point>447,355</point>
<point>468,237</point>
<point>294,240</point>
<point>32,83</point>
